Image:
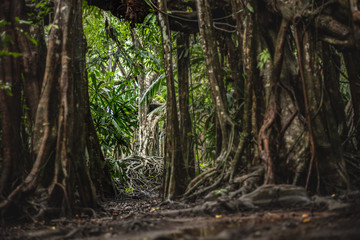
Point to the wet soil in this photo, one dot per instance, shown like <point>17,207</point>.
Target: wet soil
<point>149,218</point>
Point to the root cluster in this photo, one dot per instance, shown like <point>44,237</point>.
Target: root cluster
<point>143,173</point>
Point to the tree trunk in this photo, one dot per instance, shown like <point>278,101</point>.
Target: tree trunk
<point>10,96</point>
<point>61,169</point>
<point>174,184</point>
<point>327,155</point>
<point>269,131</point>
<point>216,80</point>
<point>352,61</point>
<point>250,70</point>
<point>183,65</point>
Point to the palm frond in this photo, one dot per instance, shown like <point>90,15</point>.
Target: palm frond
<point>153,89</point>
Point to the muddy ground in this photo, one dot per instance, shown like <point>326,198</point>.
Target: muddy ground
<point>146,217</point>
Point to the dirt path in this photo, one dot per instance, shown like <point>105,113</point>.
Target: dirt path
<point>147,219</point>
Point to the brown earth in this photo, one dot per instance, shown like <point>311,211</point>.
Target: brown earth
<point>148,218</point>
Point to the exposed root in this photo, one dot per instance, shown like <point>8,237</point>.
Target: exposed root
<point>209,188</point>
<point>248,182</point>
<point>142,173</point>
<point>196,182</point>
<point>219,172</point>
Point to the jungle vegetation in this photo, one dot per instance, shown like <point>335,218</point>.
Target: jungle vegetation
<point>213,89</point>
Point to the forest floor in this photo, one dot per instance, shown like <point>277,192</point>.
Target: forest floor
<point>145,217</point>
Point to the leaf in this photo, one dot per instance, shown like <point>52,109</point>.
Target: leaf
<point>250,8</point>
<point>148,18</point>
<point>22,21</point>
<point>3,23</point>
<point>153,89</point>
<point>33,40</point>
<point>7,53</point>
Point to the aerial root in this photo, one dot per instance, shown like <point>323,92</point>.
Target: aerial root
<point>218,173</point>
<point>141,172</point>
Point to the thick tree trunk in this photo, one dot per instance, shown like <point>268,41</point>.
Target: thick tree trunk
<point>249,63</point>
<point>352,61</point>
<point>186,137</point>
<point>215,75</point>
<point>269,131</point>
<point>10,96</point>
<point>61,169</point>
<point>174,184</point>
<point>327,152</point>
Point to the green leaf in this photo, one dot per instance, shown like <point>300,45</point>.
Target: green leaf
<point>22,21</point>
<point>250,8</point>
<point>7,53</point>
<point>3,23</point>
<point>33,40</point>
<point>153,89</point>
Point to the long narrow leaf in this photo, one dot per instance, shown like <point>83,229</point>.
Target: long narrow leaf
<point>153,89</point>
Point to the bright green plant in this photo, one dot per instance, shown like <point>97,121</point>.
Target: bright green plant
<point>129,190</point>
<point>114,111</point>
<point>220,191</point>
<point>6,87</point>
<point>264,56</point>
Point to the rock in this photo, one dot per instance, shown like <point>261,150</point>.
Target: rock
<point>329,203</point>
<point>277,195</point>
<point>211,207</point>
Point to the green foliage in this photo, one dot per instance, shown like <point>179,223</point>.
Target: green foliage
<point>264,56</point>
<point>118,169</point>
<point>41,10</point>
<point>21,21</point>
<point>112,97</point>
<point>202,110</point>
<point>5,39</point>
<point>7,53</point>
<point>154,88</point>
<point>250,8</point>
<point>113,109</point>
<point>129,190</point>
<point>5,86</point>
<point>344,84</point>
<point>3,23</point>
<point>220,191</point>
<point>116,58</point>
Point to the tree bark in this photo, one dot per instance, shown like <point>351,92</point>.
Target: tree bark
<point>215,75</point>
<point>249,63</point>
<point>352,61</point>
<point>10,98</point>
<point>183,65</point>
<point>327,151</point>
<point>60,169</point>
<point>174,167</point>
